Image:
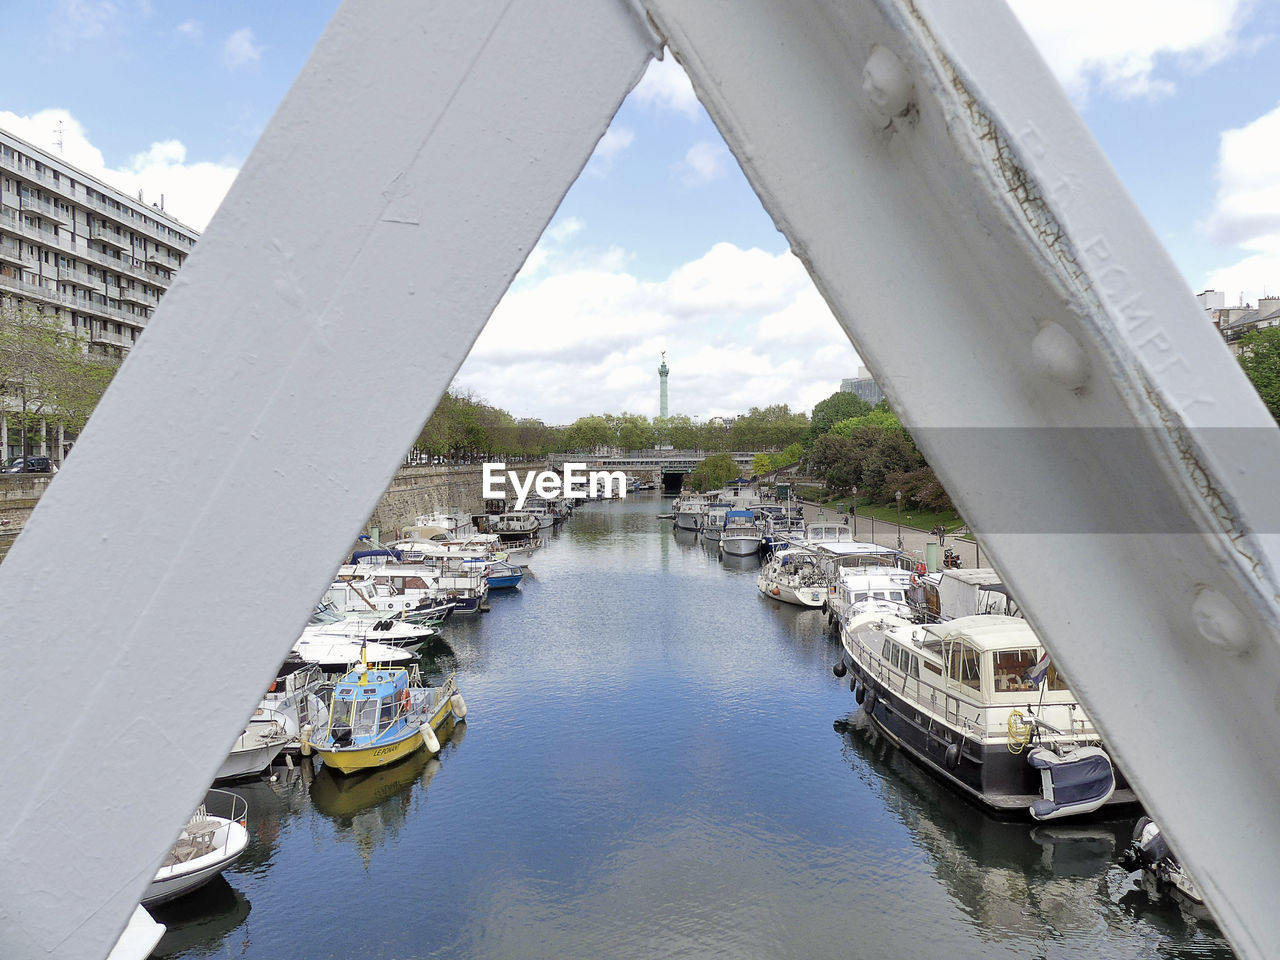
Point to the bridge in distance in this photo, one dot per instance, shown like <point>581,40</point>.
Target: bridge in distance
<point>672,464</point>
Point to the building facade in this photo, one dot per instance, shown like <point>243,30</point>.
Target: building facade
<point>864,386</point>
<point>84,251</point>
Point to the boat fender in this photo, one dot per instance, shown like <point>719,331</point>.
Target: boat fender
<point>459,706</point>
<point>406,703</point>
<point>860,693</point>
<point>952,756</point>
<point>776,591</point>
<point>305,740</point>
<point>839,669</point>
<point>431,740</point>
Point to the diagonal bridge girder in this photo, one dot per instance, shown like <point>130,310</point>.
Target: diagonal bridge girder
<point>387,207</point>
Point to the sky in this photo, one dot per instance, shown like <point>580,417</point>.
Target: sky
<point>661,244</point>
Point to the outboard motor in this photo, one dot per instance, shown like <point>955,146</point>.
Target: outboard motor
<point>1150,853</point>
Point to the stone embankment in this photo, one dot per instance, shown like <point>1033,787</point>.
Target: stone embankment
<point>418,490</point>
<point>414,491</point>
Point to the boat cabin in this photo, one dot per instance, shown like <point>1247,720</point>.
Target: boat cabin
<point>369,702</point>
<point>839,557</point>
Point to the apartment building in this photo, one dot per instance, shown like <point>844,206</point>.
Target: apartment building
<point>69,243</point>
<point>74,244</point>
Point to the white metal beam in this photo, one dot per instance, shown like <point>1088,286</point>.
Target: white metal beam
<point>380,218</point>
<point>975,244</point>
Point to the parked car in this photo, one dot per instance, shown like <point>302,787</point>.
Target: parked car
<point>37,464</point>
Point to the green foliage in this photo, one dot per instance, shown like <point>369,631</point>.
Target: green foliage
<point>772,428</point>
<point>47,373</point>
<point>761,464</point>
<point>881,419</point>
<point>712,473</point>
<point>839,406</point>
<point>1260,358</point>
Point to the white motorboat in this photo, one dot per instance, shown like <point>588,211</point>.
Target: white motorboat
<point>741,536</point>
<point>514,525</point>
<point>327,622</point>
<point>713,522</point>
<point>456,524</point>
<point>794,576</point>
<point>213,838</point>
<point>296,701</point>
<point>333,655</point>
<point>978,703</point>
<point>689,511</point>
<point>889,586</point>
<point>253,751</point>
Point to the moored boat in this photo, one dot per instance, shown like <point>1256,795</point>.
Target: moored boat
<point>378,715</point>
<point>741,536</point>
<point>794,576</point>
<point>213,838</point>
<point>978,703</point>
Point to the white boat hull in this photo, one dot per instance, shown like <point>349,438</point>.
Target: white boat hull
<point>174,881</point>
<point>253,752</point>
<point>740,546</point>
<point>800,596</point>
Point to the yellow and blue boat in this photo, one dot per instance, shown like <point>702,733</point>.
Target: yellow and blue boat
<point>378,715</point>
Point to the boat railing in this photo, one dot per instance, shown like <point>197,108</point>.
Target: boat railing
<point>977,720</point>
<point>204,832</point>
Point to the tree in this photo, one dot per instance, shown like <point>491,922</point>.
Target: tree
<point>761,464</point>
<point>46,372</point>
<point>1260,357</point>
<point>839,406</point>
<point>712,473</point>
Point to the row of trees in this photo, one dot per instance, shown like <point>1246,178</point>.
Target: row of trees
<point>46,374</point>
<point>463,426</point>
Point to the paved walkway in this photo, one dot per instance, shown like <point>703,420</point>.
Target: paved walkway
<point>886,534</point>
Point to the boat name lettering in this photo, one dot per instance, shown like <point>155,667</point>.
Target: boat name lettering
<point>576,484</point>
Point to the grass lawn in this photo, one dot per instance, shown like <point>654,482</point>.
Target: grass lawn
<point>920,519</point>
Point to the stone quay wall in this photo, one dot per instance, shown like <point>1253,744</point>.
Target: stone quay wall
<point>422,489</point>
<point>413,491</point>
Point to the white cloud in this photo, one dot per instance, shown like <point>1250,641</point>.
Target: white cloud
<point>1246,213</point>
<point>742,328</point>
<point>665,86</point>
<point>1120,48</point>
<point>705,161</point>
<point>240,48</point>
<point>192,191</point>
<point>78,20</point>
<point>191,29</point>
<point>1248,202</point>
<point>615,140</point>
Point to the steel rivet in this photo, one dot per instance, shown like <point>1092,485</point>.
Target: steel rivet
<point>886,83</point>
<point>1059,356</point>
<point>1220,622</point>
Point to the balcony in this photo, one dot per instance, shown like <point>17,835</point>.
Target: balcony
<point>121,264</point>
<point>83,277</point>
<point>29,173</point>
<point>28,288</point>
<point>163,260</point>
<point>11,252</point>
<point>137,296</point>
<point>44,209</point>
<point>108,236</point>
<point>109,336</point>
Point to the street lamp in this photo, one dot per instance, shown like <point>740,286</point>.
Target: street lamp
<point>897,496</point>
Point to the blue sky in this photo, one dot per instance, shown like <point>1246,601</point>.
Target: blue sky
<point>661,245</point>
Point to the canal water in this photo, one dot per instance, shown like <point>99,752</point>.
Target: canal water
<point>658,762</point>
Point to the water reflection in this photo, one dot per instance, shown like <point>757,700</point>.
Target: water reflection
<point>1016,881</point>
<point>196,925</point>
<point>370,808</point>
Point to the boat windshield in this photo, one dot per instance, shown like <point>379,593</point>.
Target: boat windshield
<point>326,613</point>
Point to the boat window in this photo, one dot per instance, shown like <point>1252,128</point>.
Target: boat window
<point>1012,667</point>
<point>342,712</point>
<point>366,724</point>
<point>887,647</point>
<point>895,595</point>
<point>894,652</point>
<point>963,665</point>
<point>915,666</point>
<point>860,595</point>
<point>1056,680</point>
<point>388,713</point>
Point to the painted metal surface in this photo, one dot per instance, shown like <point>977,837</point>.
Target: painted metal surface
<point>393,197</point>
<point>1055,370</point>
<point>386,209</point>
